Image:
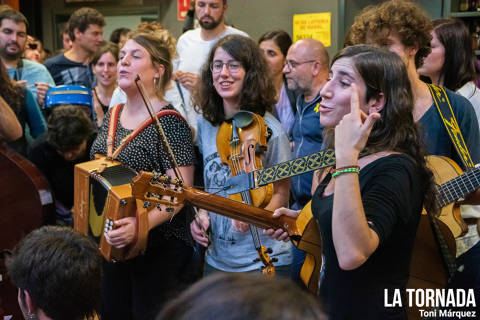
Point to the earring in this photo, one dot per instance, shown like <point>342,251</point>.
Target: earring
<point>32,316</point>
<point>155,81</point>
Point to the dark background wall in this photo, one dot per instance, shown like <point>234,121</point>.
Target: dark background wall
<point>253,16</point>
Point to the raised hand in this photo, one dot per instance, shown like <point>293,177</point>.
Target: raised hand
<point>42,89</point>
<point>351,133</point>
<point>187,79</point>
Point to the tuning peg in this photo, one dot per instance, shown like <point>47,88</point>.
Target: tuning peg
<point>274,260</point>
<point>169,209</point>
<point>256,260</point>
<point>269,250</point>
<point>146,204</point>
<point>159,207</point>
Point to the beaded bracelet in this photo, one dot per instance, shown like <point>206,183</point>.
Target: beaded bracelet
<point>346,167</point>
<point>353,169</point>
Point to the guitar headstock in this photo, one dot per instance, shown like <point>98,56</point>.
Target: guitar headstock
<point>157,189</point>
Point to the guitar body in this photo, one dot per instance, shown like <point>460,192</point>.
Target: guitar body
<point>427,268</point>
<point>445,169</point>
<point>311,243</point>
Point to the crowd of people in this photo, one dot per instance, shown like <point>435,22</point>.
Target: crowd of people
<point>375,103</point>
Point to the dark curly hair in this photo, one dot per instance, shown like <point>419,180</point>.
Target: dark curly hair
<point>61,270</point>
<point>68,127</point>
<point>384,73</point>
<point>257,94</point>
<point>82,18</point>
<point>460,64</point>
<point>406,19</point>
<point>12,93</point>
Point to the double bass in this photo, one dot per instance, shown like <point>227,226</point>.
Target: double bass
<point>26,204</point>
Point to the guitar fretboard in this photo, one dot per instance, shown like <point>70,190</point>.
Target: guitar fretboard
<point>458,187</point>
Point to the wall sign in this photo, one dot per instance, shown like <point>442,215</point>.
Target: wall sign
<point>313,25</point>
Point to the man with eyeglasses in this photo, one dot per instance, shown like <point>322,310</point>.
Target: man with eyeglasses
<point>306,72</point>
<point>13,38</point>
<point>194,45</point>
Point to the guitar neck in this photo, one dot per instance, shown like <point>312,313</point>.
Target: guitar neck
<point>236,210</point>
<point>459,187</point>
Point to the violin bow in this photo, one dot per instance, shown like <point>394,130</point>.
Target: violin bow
<point>161,132</point>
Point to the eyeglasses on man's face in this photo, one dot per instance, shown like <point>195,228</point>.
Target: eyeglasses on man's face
<point>292,64</point>
<point>233,66</point>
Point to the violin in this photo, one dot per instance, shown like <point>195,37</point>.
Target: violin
<point>240,144</point>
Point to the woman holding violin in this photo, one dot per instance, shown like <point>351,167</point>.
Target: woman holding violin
<point>235,78</point>
<point>368,206</point>
<point>136,288</point>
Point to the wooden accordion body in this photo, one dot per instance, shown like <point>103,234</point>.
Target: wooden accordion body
<point>102,195</point>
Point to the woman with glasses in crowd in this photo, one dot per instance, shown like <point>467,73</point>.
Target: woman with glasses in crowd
<point>235,78</point>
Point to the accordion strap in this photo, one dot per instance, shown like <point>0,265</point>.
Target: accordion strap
<point>112,130</point>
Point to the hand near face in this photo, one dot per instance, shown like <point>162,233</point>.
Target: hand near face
<point>351,134</point>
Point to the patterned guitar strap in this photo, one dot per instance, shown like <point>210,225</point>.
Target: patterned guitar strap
<point>445,111</point>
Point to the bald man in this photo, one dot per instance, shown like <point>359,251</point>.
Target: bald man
<point>306,71</point>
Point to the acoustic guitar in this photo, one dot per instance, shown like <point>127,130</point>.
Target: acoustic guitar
<point>435,246</point>
<point>304,231</point>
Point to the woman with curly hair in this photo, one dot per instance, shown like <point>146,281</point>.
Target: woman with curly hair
<point>234,78</point>
<point>368,206</point>
<point>404,28</point>
<point>25,106</point>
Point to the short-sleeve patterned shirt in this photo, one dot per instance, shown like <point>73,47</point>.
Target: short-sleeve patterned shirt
<point>145,152</point>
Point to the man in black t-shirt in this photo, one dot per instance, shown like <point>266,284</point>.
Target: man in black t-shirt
<point>73,67</point>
